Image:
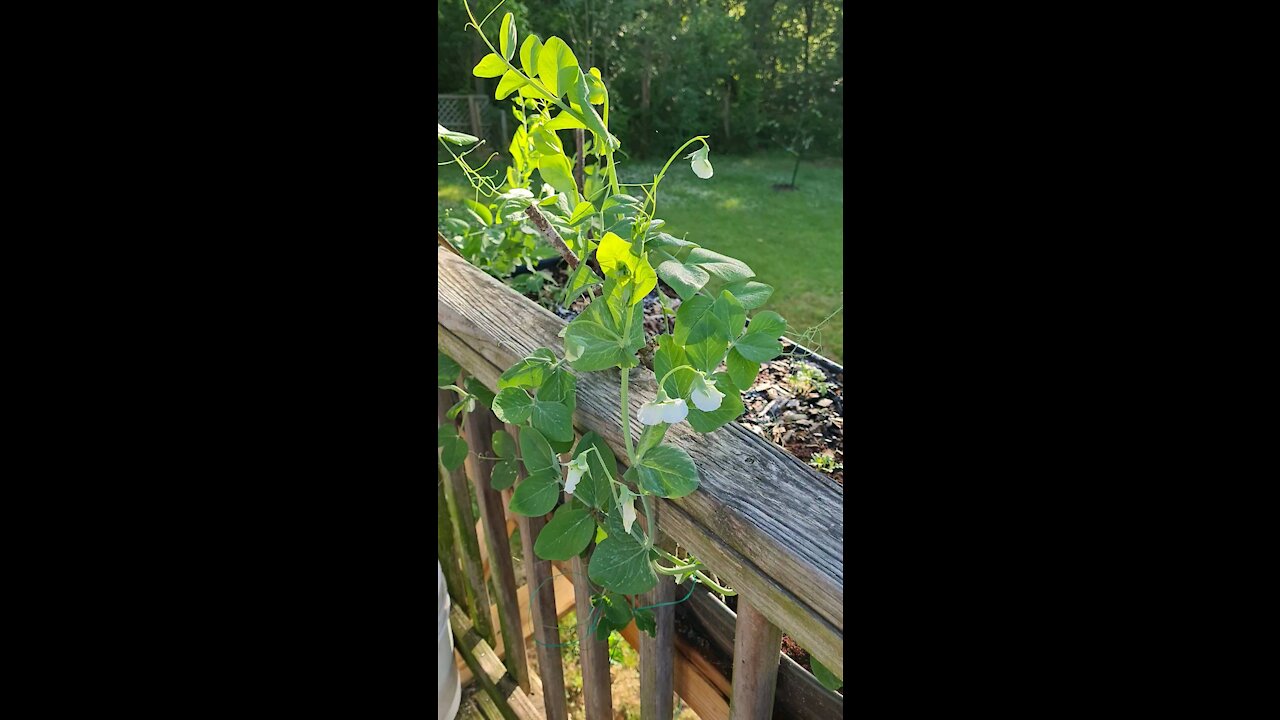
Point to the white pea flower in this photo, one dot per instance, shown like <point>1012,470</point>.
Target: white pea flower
<point>577,468</point>
<point>650,413</point>
<point>705,395</point>
<point>701,165</point>
<point>628,509</point>
<point>663,411</point>
<point>674,411</point>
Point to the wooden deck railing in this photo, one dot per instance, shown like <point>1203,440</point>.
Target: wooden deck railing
<point>764,522</point>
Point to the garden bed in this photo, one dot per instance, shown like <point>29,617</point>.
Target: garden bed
<point>796,402</point>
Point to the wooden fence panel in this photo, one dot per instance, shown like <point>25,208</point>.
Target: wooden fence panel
<point>512,702</point>
<point>596,683</point>
<point>458,498</point>
<point>756,646</point>
<point>776,520</point>
<point>657,653</point>
<point>542,609</point>
<point>444,541</point>
<point>479,425</point>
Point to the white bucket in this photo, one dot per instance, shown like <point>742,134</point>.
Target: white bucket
<point>447,686</point>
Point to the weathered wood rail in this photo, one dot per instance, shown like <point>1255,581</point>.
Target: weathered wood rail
<point>764,522</point>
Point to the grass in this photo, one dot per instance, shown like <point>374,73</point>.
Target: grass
<point>793,240</point>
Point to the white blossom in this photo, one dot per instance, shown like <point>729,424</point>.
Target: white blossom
<point>674,411</point>
<point>705,395</point>
<point>628,509</point>
<point>701,165</point>
<point>577,468</point>
<point>663,411</point>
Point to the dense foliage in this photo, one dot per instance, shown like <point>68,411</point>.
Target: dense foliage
<point>753,74</point>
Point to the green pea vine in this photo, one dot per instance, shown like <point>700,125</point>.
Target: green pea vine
<point>703,362</point>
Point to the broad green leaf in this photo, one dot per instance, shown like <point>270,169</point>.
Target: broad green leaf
<point>580,213</point>
<point>444,433</point>
<point>560,386</point>
<point>706,355</point>
<point>730,407</point>
<point>567,535</point>
<point>596,84</point>
<point>457,138</point>
<point>758,347</point>
<point>583,277</point>
<point>590,346</point>
<point>553,420</point>
<point>504,474</point>
<point>480,210</point>
<point>678,248</point>
<point>667,471</point>
<point>696,322</point>
<point>622,565</point>
<point>469,403</point>
<point>536,454</point>
<point>750,293</point>
<point>565,121</point>
<point>742,372</point>
<point>529,372</point>
<point>671,354</point>
<point>731,315</point>
<point>511,81</point>
<point>559,447</point>
<point>578,93</point>
<point>447,370</point>
<point>507,37</point>
<point>646,621</point>
<point>490,66</point>
<point>557,173</point>
<point>768,323</point>
<point>721,266</point>
<point>614,254</point>
<point>503,445</point>
<point>686,280</point>
<point>825,676</point>
<point>557,66</point>
<point>482,394</point>
<point>529,50</point>
<point>513,405</point>
<point>537,493</point>
<point>593,488</point>
<point>546,142</point>
<point>455,452</point>
<point>652,436</point>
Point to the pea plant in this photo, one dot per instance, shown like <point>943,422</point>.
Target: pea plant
<point>703,362</point>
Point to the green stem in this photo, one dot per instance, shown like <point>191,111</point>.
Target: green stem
<point>702,578</point>
<point>678,570</point>
<point>626,409</point>
<point>653,196</point>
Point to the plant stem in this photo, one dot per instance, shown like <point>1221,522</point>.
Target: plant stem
<point>626,408</point>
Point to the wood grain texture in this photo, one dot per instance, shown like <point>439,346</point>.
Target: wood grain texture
<point>756,498</point>
<point>478,427</point>
<point>564,603</point>
<point>698,688</point>
<point>756,644</point>
<point>779,603</point>
<point>458,499</point>
<point>657,653</point>
<point>512,702</point>
<point>446,552</point>
<point>596,683</point>
<point>542,609</point>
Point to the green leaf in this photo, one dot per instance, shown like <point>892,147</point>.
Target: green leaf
<point>565,121</point>
<point>537,493</point>
<point>511,81</point>
<point>490,66</point>
<point>447,370</point>
<point>583,277</point>
<point>615,254</point>
<point>750,293</point>
<point>504,474</point>
<point>578,94</point>
<point>455,452</point>
<point>706,355</point>
<point>768,323</point>
<point>730,407</point>
<point>676,247</point>
<point>512,405</point>
<point>536,453</point>
<point>825,676</point>
<point>553,420</point>
<point>685,279</point>
<point>593,488</point>
<point>529,55</point>
<point>467,402</point>
<point>667,471</point>
<point>457,138</point>
<point>590,346</point>
<point>724,267</point>
<point>557,173</point>
<point>557,66</point>
<point>742,372</point>
<point>730,314</point>
<point>652,436</point>
<point>480,210</point>
<point>622,565</point>
<point>507,37</point>
<point>696,322</point>
<point>567,535</point>
<point>503,445</point>
<point>646,621</point>
<point>596,84</point>
<point>583,211</point>
<point>444,432</point>
<point>560,386</point>
<point>482,394</point>
<point>529,372</point>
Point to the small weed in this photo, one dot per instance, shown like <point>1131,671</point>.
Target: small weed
<point>806,379</point>
<point>825,463</point>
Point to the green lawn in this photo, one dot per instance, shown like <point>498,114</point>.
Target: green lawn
<point>794,240</point>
